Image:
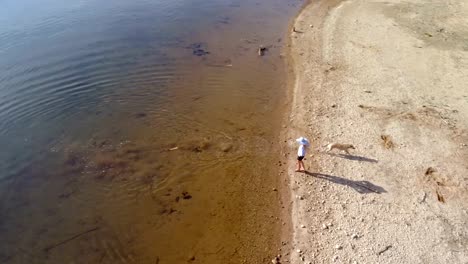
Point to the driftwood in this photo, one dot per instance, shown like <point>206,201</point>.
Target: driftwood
<point>47,249</point>
<point>383,250</point>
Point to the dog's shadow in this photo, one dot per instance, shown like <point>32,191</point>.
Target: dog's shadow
<point>362,187</point>
<point>352,157</point>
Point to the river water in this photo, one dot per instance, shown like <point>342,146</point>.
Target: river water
<point>140,131</point>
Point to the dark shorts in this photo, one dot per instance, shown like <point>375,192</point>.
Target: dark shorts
<point>300,158</point>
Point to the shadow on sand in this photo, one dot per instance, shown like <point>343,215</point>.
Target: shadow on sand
<point>353,157</point>
<point>359,186</point>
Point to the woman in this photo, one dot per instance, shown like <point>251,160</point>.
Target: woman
<point>301,152</point>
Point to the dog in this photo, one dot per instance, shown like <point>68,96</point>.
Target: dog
<point>344,147</point>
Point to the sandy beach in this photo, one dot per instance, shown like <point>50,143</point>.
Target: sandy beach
<point>390,78</point>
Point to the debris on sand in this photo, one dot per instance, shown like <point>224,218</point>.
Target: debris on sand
<point>423,197</point>
<point>174,148</point>
<point>332,68</point>
<point>428,34</point>
<point>429,171</point>
<point>388,143</point>
<point>440,198</point>
<point>383,250</point>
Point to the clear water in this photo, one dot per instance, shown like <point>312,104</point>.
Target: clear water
<point>139,131</point>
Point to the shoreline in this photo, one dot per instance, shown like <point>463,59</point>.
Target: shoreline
<point>375,75</point>
<point>285,135</point>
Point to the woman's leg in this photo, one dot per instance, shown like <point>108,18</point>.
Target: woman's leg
<point>302,165</point>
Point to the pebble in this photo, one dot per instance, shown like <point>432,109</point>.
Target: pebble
<point>303,226</point>
<point>354,236</point>
<point>324,226</point>
<point>339,247</point>
<point>335,258</point>
<point>299,251</point>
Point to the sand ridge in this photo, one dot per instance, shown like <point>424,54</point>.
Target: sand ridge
<point>388,77</point>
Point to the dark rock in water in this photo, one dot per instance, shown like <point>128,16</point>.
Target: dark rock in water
<point>72,159</point>
<point>166,211</point>
<point>140,115</point>
<point>195,46</point>
<point>197,49</point>
<point>100,143</point>
<point>200,52</point>
<point>262,50</point>
<point>196,146</point>
<point>196,149</point>
<point>224,20</point>
<point>186,196</point>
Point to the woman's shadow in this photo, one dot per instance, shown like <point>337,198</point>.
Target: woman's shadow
<point>353,157</point>
<point>359,186</point>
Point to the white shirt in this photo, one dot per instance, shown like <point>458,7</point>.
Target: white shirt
<point>301,151</point>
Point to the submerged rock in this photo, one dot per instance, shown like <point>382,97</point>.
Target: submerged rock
<point>226,147</point>
<point>186,196</point>
<point>198,50</point>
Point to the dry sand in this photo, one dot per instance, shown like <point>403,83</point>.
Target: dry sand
<point>389,77</point>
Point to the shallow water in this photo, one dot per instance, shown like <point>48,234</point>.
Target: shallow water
<point>139,131</point>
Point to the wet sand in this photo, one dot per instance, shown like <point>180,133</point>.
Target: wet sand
<point>388,77</point>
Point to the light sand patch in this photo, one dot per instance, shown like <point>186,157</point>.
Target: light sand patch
<point>390,78</point>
